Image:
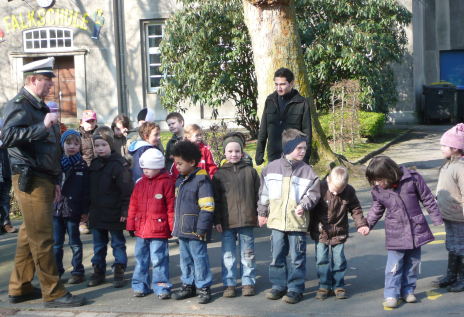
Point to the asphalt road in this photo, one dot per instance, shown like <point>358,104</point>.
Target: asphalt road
<point>364,278</point>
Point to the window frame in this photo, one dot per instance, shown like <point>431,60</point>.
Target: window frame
<point>152,51</point>
<point>48,38</point>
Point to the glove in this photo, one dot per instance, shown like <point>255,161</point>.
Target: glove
<point>132,233</point>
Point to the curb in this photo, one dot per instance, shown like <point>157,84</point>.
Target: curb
<point>368,156</point>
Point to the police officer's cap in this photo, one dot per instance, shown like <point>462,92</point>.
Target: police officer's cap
<point>40,67</point>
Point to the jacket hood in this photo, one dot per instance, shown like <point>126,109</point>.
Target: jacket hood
<point>163,174</point>
<point>134,146</point>
<point>239,164</point>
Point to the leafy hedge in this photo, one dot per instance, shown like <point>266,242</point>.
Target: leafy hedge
<point>371,123</point>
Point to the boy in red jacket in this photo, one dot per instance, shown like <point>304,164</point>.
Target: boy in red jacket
<point>151,219</point>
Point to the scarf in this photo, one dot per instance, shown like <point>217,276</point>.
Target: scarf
<point>69,161</point>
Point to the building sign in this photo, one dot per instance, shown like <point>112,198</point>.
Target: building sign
<point>46,17</point>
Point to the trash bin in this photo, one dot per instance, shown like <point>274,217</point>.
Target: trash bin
<point>439,104</point>
<point>460,102</point>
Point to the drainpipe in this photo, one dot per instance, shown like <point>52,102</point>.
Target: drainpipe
<point>120,47</point>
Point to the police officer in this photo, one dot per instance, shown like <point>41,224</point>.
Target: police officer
<point>32,137</point>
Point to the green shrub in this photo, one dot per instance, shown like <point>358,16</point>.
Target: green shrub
<point>371,124</point>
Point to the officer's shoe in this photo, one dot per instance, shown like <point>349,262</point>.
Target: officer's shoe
<point>67,300</point>
<point>186,291</point>
<point>204,295</point>
<point>16,299</point>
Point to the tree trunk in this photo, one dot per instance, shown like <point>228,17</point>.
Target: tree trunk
<point>276,43</point>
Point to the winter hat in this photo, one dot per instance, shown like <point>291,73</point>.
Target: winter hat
<point>89,115</point>
<point>104,133</point>
<point>289,146</point>
<point>67,133</point>
<point>152,159</point>
<point>146,114</point>
<point>233,138</point>
<point>53,106</point>
<point>454,137</point>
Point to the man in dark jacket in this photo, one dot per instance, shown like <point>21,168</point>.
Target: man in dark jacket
<point>284,109</point>
<point>33,143</point>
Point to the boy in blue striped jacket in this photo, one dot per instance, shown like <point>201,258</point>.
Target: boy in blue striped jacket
<point>192,221</point>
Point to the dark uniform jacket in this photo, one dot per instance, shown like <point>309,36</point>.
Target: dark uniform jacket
<point>236,192</point>
<point>194,205</point>
<point>295,116</point>
<point>28,141</point>
<point>110,191</point>
<point>329,219</point>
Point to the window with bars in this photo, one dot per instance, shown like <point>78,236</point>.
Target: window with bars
<point>153,37</point>
<point>47,39</point>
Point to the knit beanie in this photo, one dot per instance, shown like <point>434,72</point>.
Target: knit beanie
<point>104,133</point>
<point>233,138</point>
<point>152,159</point>
<point>289,146</point>
<point>454,137</point>
<point>67,133</point>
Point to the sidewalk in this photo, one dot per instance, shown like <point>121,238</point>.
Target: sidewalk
<point>365,275</point>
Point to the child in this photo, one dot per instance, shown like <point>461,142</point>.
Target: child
<point>151,218</point>
<point>329,228</point>
<point>194,134</point>
<point>193,220</point>
<point>120,127</point>
<point>110,191</point>
<point>150,134</point>
<point>289,190</point>
<point>450,193</point>
<point>399,190</point>
<point>175,123</point>
<point>236,190</point>
<point>72,205</point>
<point>87,127</point>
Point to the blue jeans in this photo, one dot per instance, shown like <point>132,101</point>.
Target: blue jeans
<point>288,277</point>
<point>5,188</point>
<point>100,242</point>
<point>194,263</point>
<point>157,251</point>
<point>331,267</point>
<point>401,272</point>
<point>60,227</point>
<point>246,241</point>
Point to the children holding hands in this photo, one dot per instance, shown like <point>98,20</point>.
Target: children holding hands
<point>289,191</point>
<point>329,228</point>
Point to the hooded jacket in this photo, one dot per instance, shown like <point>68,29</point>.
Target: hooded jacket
<point>87,144</point>
<point>284,186</point>
<point>329,219</point>
<point>405,225</point>
<point>236,193</point>
<point>296,115</point>
<point>136,149</point>
<point>110,191</point>
<point>151,208</point>
<point>194,206</point>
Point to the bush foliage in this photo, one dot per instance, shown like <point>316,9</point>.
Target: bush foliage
<point>371,123</point>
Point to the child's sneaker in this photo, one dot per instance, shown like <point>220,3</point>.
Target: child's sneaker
<point>204,296</point>
<point>186,291</point>
<point>410,298</point>
<point>118,280</point>
<point>275,294</point>
<point>83,228</point>
<point>139,294</point>
<point>248,290</point>
<point>322,294</point>
<point>390,302</point>
<point>292,297</point>
<point>229,291</point>
<point>164,296</point>
<point>76,279</point>
<point>340,293</point>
